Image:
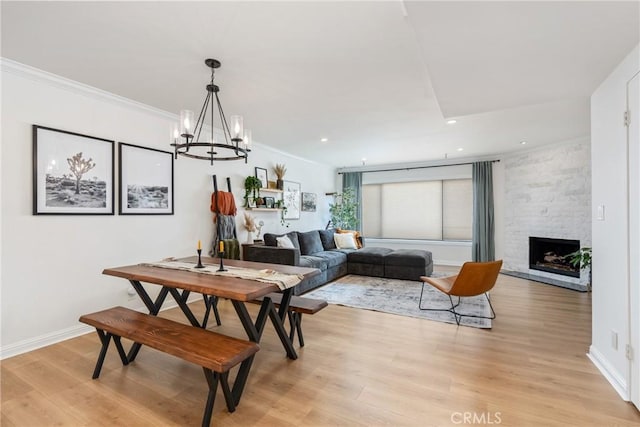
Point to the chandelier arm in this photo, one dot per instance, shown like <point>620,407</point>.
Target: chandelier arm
<point>200,120</point>
<point>225,127</point>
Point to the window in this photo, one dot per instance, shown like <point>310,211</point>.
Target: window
<point>433,210</point>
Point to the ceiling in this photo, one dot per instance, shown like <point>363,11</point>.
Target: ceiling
<point>378,79</point>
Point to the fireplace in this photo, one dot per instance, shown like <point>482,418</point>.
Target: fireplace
<point>550,255</point>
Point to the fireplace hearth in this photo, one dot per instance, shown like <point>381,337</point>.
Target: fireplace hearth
<point>551,255</point>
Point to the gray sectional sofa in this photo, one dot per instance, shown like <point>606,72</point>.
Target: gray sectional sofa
<point>317,249</point>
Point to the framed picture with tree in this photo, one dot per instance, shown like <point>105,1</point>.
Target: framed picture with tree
<point>72,173</point>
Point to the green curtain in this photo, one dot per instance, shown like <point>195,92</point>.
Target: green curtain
<point>483,242</point>
<point>354,180</point>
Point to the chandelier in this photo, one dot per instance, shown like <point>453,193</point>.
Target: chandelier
<point>191,140</point>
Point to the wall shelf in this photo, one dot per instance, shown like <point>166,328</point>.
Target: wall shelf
<point>264,209</point>
<point>270,190</point>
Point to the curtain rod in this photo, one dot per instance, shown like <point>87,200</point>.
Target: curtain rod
<point>419,167</point>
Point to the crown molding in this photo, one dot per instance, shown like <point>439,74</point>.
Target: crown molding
<point>41,76</point>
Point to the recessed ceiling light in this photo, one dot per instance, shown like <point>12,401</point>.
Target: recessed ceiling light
<point>324,139</point>
<point>452,121</point>
<point>459,149</point>
<point>523,142</point>
<point>364,160</point>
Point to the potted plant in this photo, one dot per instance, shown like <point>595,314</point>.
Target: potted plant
<point>582,259</point>
<point>279,170</point>
<point>343,211</point>
<point>252,186</point>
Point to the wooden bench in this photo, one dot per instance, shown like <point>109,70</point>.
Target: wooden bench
<point>297,307</point>
<point>216,353</point>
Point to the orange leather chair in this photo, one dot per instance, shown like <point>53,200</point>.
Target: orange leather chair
<point>474,278</point>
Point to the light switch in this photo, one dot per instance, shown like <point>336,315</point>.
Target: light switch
<point>600,214</point>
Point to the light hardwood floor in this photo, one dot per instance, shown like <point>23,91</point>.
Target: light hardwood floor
<point>358,368</point>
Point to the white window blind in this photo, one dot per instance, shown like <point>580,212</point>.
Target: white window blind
<point>457,209</point>
<point>432,210</point>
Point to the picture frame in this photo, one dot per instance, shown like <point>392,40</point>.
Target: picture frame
<point>146,180</point>
<point>309,202</point>
<point>72,173</point>
<point>291,197</point>
<point>261,174</point>
<point>269,202</point>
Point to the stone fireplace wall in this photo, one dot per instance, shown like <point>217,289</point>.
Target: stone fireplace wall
<point>547,193</point>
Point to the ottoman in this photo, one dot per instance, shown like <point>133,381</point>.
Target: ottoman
<point>367,261</point>
<point>408,264</point>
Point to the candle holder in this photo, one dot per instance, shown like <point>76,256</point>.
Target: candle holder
<point>199,259</point>
<point>221,254</point>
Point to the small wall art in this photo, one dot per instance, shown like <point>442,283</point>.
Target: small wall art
<point>146,180</point>
<point>261,174</point>
<point>309,201</point>
<point>72,173</point>
<point>291,197</point>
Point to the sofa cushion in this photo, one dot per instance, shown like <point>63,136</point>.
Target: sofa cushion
<point>408,258</point>
<point>369,256</point>
<point>326,236</point>
<point>333,258</point>
<point>310,242</point>
<point>270,239</point>
<point>313,262</point>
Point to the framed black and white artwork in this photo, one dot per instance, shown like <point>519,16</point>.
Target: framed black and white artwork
<point>261,174</point>
<point>309,201</point>
<point>291,197</point>
<point>72,173</point>
<point>146,180</point>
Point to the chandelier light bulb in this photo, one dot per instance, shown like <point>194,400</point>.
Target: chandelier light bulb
<point>236,128</point>
<point>186,123</point>
<point>247,139</point>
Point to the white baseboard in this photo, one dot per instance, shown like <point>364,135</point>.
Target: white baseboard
<point>615,379</point>
<point>62,335</point>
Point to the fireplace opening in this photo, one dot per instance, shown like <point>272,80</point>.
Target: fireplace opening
<point>551,255</point>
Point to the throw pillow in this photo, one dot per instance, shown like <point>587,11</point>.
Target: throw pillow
<point>326,236</point>
<point>310,242</point>
<point>270,239</point>
<point>345,240</point>
<point>284,242</point>
<point>356,236</point>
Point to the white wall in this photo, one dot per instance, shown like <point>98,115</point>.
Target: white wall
<point>51,265</point>
<point>610,309</point>
<point>547,193</point>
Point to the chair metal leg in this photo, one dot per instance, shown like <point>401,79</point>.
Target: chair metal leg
<point>493,313</point>
<point>457,315</point>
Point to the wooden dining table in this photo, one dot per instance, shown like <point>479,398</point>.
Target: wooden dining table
<point>181,283</point>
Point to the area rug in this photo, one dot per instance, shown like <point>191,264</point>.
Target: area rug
<point>401,297</point>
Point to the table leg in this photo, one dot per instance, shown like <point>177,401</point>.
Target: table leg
<point>254,331</point>
<point>182,302</point>
<point>152,306</point>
